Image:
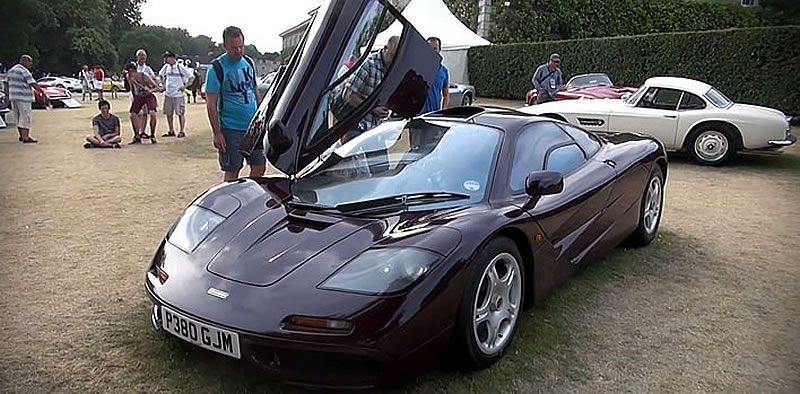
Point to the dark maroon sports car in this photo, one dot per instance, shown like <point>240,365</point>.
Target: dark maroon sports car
<point>587,86</point>
<point>370,258</point>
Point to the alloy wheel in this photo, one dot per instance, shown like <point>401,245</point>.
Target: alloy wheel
<point>497,304</point>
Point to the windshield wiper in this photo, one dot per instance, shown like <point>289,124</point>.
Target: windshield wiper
<point>399,201</point>
<point>308,206</point>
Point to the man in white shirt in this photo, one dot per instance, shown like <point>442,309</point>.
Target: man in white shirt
<point>142,67</point>
<point>174,77</point>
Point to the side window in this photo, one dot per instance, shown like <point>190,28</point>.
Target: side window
<point>531,148</point>
<point>690,101</point>
<point>585,140</point>
<point>658,98</point>
<point>358,74</point>
<point>565,159</point>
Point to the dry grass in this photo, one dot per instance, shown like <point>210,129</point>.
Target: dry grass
<point>712,305</point>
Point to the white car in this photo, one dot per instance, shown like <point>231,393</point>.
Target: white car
<point>71,84</point>
<point>685,115</point>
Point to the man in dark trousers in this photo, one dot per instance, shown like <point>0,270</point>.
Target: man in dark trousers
<point>547,80</point>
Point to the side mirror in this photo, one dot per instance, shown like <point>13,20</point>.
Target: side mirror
<point>542,183</point>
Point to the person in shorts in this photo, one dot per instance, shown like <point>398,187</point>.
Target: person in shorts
<point>87,83</point>
<point>142,88</point>
<point>231,104</point>
<point>105,127</point>
<point>174,77</point>
<point>20,92</point>
<point>142,67</point>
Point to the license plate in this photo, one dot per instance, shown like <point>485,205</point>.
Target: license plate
<point>201,334</point>
<point>71,103</point>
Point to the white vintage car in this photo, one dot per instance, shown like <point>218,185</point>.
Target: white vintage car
<point>685,115</point>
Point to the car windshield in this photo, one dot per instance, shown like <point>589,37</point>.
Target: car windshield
<point>583,81</point>
<point>403,158</point>
<point>717,98</point>
<point>635,97</point>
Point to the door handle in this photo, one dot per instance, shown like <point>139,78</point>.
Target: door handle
<point>671,116</point>
<point>610,163</point>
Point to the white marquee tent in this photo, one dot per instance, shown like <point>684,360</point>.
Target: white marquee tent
<point>433,18</point>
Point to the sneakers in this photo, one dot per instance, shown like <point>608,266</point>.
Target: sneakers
<point>153,140</point>
<point>87,145</point>
<point>181,134</point>
<point>116,146</point>
<point>168,134</point>
<point>135,141</point>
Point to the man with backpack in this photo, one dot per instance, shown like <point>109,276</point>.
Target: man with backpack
<point>547,80</point>
<point>174,77</point>
<point>231,102</point>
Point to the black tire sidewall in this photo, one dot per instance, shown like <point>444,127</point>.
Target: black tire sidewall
<point>471,356</point>
<point>732,145</point>
<point>641,236</point>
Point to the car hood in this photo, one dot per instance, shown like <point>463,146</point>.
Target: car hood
<point>298,119</point>
<point>603,107</point>
<point>262,241</point>
<point>611,92</point>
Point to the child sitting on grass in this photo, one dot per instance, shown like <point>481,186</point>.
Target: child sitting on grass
<point>106,129</point>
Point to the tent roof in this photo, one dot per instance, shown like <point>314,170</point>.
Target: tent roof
<point>433,18</point>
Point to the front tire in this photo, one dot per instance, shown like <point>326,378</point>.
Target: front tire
<point>650,210</point>
<point>712,145</point>
<point>489,312</point>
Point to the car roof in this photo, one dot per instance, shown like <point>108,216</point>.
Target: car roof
<point>690,85</point>
<point>506,118</point>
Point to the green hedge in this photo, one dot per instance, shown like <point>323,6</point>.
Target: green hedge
<point>751,65</point>
<point>546,20</point>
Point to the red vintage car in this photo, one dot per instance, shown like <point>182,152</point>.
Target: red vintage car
<point>59,97</point>
<point>586,86</point>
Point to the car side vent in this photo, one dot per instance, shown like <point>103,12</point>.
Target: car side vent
<point>588,122</point>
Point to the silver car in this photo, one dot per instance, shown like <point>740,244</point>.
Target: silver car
<point>461,95</point>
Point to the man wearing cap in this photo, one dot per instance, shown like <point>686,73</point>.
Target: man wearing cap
<point>547,80</point>
<point>142,88</point>
<point>174,77</point>
<point>142,67</point>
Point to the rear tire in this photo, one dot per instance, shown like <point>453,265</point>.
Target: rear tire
<point>650,209</point>
<point>712,145</point>
<point>489,312</point>
<point>466,101</point>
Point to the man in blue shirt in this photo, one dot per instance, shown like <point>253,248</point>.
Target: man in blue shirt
<point>547,80</point>
<point>231,104</point>
<point>439,94</point>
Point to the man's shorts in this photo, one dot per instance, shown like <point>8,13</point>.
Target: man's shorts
<point>23,113</point>
<point>143,111</point>
<point>141,101</point>
<point>231,159</point>
<point>174,105</point>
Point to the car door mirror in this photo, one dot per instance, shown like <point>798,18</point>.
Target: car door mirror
<point>542,183</point>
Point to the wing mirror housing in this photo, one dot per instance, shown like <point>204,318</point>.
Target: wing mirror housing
<point>542,183</point>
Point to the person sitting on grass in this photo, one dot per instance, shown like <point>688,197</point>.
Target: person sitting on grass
<point>106,128</point>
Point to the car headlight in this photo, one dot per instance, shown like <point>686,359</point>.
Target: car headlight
<point>382,271</point>
<point>193,227</point>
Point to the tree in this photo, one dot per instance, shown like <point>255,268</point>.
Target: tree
<point>200,45</point>
<point>153,39</point>
<point>252,51</point>
<point>781,12</point>
<point>22,19</point>
<point>124,14</point>
<point>465,10</point>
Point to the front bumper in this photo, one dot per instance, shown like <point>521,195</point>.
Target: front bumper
<point>789,140</point>
<point>317,364</point>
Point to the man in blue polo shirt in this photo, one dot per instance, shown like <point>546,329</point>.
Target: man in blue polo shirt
<point>231,105</point>
<point>439,94</point>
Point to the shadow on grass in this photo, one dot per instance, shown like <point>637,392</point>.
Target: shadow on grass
<point>545,343</point>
